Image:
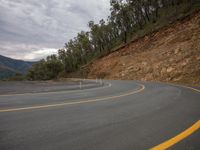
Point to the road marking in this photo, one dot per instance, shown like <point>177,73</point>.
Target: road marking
<point>177,85</point>
<point>178,138</point>
<point>189,88</point>
<point>73,103</point>
<point>169,143</point>
<point>58,92</point>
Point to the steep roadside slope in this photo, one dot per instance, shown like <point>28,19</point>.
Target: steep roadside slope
<point>171,54</point>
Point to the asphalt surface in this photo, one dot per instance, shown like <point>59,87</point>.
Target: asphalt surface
<point>13,87</point>
<point>122,115</point>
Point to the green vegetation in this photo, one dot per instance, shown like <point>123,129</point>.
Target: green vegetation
<point>46,69</point>
<point>16,77</point>
<point>129,19</point>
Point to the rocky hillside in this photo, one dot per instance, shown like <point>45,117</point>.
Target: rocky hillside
<point>171,54</point>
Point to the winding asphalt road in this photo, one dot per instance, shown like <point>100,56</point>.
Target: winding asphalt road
<point>121,115</point>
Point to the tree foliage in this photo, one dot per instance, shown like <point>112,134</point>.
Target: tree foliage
<point>45,69</point>
<point>127,18</point>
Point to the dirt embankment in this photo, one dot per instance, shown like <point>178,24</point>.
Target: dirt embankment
<point>171,55</point>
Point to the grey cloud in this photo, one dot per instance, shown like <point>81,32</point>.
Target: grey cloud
<point>28,26</point>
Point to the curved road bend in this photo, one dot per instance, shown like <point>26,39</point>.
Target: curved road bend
<point>125,116</point>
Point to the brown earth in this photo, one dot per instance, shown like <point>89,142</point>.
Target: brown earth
<point>171,54</point>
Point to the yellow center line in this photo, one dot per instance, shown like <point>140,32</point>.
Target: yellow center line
<point>169,143</point>
<point>178,138</point>
<point>190,88</point>
<point>73,103</point>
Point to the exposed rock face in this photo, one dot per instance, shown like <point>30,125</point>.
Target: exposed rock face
<point>170,55</point>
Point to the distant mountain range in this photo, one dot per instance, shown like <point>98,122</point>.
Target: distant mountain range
<point>10,67</point>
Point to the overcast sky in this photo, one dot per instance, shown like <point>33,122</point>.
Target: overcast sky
<point>33,29</point>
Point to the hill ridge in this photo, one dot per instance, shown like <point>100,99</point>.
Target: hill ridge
<point>9,66</point>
